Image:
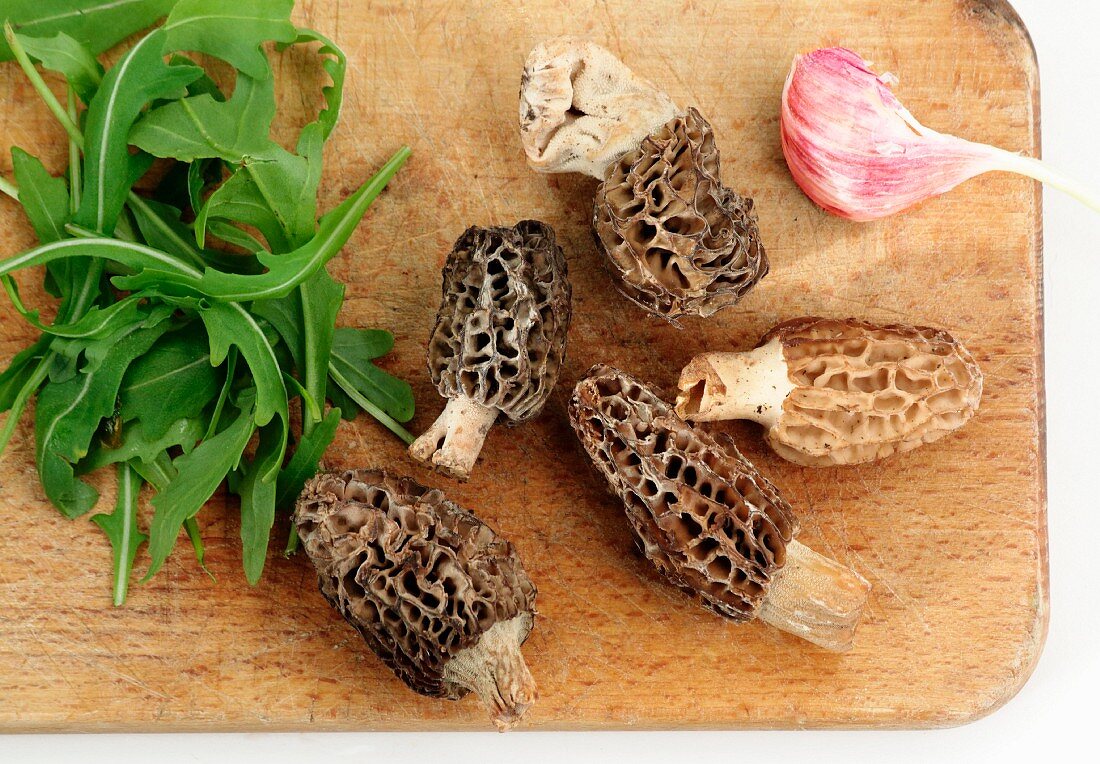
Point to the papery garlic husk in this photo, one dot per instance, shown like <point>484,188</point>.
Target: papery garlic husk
<point>857,152</point>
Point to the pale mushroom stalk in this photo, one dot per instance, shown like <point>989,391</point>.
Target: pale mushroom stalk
<point>454,440</point>
<point>495,671</point>
<point>435,593</point>
<point>752,385</point>
<point>707,519</point>
<point>838,391</point>
<point>815,598</point>
<point>581,108</point>
<point>499,338</point>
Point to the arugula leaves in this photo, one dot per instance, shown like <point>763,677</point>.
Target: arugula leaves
<point>175,356</point>
<point>96,24</point>
<point>121,527</point>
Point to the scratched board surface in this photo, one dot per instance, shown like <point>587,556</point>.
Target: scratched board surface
<point>952,536</point>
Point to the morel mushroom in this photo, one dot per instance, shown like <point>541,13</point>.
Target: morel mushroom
<point>436,594</point>
<point>833,391</point>
<point>707,519</point>
<point>499,338</point>
<point>677,242</point>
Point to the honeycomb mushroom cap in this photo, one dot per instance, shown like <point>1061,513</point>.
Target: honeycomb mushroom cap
<point>425,583</point>
<point>677,241</point>
<point>499,336</point>
<point>709,521</point>
<point>864,391</point>
<point>581,108</point>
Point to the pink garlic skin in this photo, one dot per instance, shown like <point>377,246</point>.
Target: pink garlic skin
<point>855,150</point>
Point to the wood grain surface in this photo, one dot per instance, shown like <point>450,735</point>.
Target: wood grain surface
<point>952,536</point>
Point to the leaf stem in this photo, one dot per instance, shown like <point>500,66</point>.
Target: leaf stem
<point>364,403</point>
<point>8,188</point>
<point>291,542</point>
<point>40,85</point>
<point>314,379</point>
<point>1038,170</point>
<point>74,159</point>
<point>28,389</point>
<point>191,525</point>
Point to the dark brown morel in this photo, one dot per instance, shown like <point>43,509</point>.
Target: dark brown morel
<point>499,338</point>
<point>677,241</point>
<point>436,593</point>
<point>707,519</point>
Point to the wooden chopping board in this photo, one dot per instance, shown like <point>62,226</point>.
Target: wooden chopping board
<point>952,536</point>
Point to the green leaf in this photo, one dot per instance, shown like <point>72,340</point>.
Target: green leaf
<point>202,127</point>
<point>68,415</point>
<point>305,321</point>
<point>349,409</point>
<point>45,198</point>
<point>239,199</point>
<point>94,334</point>
<point>200,175</point>
<point>136,256</point>
<point>122,529</point>
<point>227,385</point>
<point>198,475</point>
<point>230,234</point>
<point>161,227</point>
<point>64,55</point>
<point>231,31</point>
<point>364,344</point>
<point>303,465</point>
<point>285,272</point>
<point>352,352</point>
<point>348,390</point>
<point>19,370</point>
<point>228,325</point>
<point>139,77</point>
<point>97,24</point>
<point>258,500</point>
<point>95,324</point>
<point>285,315</point>
<point>137,445</point>
<point>30,377</point>
<point>288,185</point>
<point>192,527</point>
<point>203,84</point>
<point>336,65</point>
<point>173,380</point>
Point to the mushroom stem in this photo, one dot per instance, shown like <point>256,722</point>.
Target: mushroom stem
<point>815,598</point>
<point>454,440</point>
<point>581,108</point>
<point>494,669</point>
<point>751,385</point>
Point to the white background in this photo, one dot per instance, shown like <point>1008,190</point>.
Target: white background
<point>1055,713</point>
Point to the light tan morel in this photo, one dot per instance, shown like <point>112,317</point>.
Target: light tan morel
<point>839,391</point>
<point>499,338</point>
<point>436,594</point>
<point>677,241</point>
<point>707,519</point>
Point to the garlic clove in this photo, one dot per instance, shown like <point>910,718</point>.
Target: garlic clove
<point>856,151</point>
